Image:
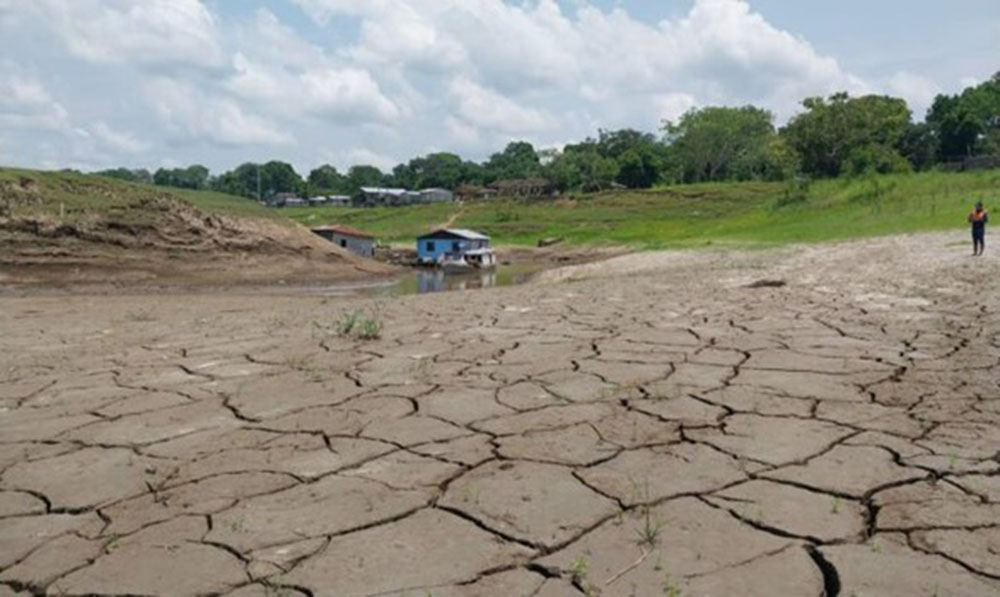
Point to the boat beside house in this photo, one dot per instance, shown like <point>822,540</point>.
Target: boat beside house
<point>456,250</point>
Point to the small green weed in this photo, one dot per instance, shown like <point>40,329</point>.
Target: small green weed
<point>347,322</point>
<point>364,325</point>
<point>578,570</point>
<point>649,533</point>
<point>669,588</point>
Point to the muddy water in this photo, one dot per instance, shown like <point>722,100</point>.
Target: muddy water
<point>432,280</point>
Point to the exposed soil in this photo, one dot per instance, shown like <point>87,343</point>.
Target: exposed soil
<point>649,425</point>
<point>160,241</point>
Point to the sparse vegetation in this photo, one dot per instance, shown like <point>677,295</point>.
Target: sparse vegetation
<point>361,324</point>
<point>578,570</point>
<point>649,533</point>
<point>347,322</point>
<point>669,588</point>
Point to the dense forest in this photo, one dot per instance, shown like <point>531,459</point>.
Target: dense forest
<point>829,137</point>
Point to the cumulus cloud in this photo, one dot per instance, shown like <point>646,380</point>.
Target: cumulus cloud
<point>119,141</point>
<point>189,112</point>
<point>26,104</point>
<point>490,110</point>
<point>378,78</point>
<point>918,90</point>
<point>277,68</point>
<point>126,31</point>
<point>536,53</point>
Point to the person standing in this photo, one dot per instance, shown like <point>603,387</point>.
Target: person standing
<point>978,218</point>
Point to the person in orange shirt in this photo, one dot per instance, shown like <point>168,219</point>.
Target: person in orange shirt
<point>978,218</point>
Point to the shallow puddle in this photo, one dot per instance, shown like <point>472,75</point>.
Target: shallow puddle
<point>433,280</point>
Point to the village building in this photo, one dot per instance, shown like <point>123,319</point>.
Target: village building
<point>338,200</point>
<point>389,197</point>
<point>356,241</point>
<point>377,196</point>
<point>475,193</point>
<point>449,243</point>
<point>436,196</point>
<point>286,200</point>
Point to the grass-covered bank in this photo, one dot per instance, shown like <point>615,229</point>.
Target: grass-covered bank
<point>74,196</point>
<point>696,215</point>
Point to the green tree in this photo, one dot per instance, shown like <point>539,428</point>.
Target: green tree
<point>920,145</point>
<point>968,124</point>
<point>832,131</point>
<point>517,161</point>
<point>438,170</point>
<point>581,167</point>
<point>363,176</point>
<point>639,156</point>
<point>721,143</point>
<point>325,180</point>
<point>268,179</point>
<point>241,181</point>
<point>140,176</point>
<point>192,177</point>
<point>280,177</point>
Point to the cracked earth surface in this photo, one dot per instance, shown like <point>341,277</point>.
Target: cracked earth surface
<point>662,430</point>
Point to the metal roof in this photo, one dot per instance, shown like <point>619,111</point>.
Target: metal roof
<point>344,230</point>
<point>382,191</point>
<point>459,232</point>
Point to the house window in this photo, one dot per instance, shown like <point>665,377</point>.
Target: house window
<point>430,246</point>
<point>343,242</point>
<point>456,246</point>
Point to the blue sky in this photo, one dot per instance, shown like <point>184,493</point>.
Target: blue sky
<point>100,83</point>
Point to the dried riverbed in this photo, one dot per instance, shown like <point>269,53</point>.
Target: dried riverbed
<point>646,426</point>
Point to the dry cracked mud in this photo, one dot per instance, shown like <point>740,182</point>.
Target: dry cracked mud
<point>652,425</point>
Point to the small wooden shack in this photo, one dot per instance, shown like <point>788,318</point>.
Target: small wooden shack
<point>353,240</point>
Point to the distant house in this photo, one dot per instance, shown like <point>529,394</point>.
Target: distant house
<point>432,247</point>
<point>334,200</point>
<point>524,187</point>
<point>286,200</point>
<point>375,196</point>
<point>353,240</point>
<point>388,197</point>
<point>436,196</point>
<point>475,193</point>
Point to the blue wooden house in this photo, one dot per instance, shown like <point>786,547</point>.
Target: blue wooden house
<point>449,242</point>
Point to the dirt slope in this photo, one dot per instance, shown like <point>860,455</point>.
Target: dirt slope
<point>64,229</point>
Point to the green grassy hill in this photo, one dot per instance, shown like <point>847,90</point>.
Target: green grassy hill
<point>74,196</point>
<point>746,214</point>
<point>736,214</point>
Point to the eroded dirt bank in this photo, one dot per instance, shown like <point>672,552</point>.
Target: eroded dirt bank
<point>158,241</point>
<point>658,433</point>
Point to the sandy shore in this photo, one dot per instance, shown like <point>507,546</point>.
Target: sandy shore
<point>649,425</point>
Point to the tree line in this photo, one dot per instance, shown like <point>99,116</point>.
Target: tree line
<point>829,137</point>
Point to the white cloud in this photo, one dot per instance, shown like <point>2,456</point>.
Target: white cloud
<point>119,141</point>
<point>671,106</point>
<point>291,77</point>
<point>373,80</point>
<point>26,104</point>
<point>492,111</point>
<point>517,57</point>
<point>919,91</point>
<point>133,31</point>
<point>189,112</point>
<point>361,156</point>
